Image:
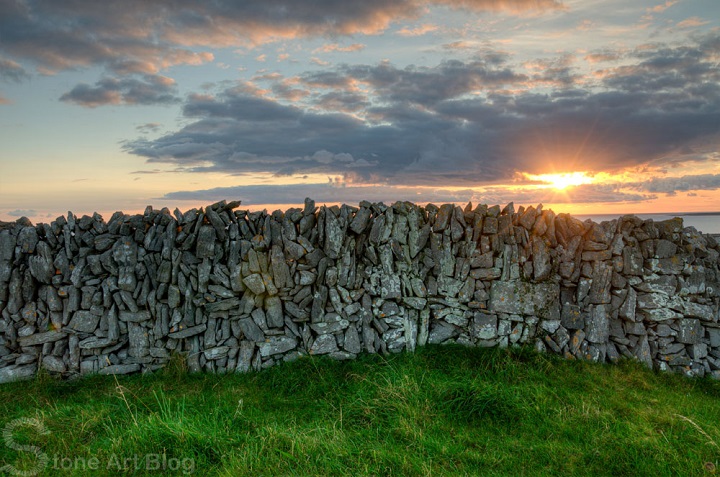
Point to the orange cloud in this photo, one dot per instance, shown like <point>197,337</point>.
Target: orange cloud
<point>663,6</point>
<point>417,31</point>
<point>692,22</point>
<point>335,47</point>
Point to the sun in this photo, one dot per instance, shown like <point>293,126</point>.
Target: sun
<point>561,181</point>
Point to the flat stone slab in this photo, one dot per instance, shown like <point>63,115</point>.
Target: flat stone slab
<point>277,345</point>
<point>187,332</point>
<point>120,369</point>
<point>517,297</point>
<point>84,321</point>
<point>8,375</point>
<point>41,338</point>
<point>135,317</point>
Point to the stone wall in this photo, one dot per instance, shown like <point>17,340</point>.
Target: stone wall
<point>234,291</point>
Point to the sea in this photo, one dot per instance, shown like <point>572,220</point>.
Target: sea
<point>708,222</point>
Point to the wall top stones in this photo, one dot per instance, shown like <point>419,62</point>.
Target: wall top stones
<point>233,290</point>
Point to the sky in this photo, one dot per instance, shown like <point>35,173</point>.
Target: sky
<point>585,106</point>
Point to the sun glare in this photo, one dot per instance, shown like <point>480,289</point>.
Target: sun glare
<point>562,181</point>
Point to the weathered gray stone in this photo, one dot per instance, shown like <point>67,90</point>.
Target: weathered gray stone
<point>627,309</point>
<point>334,235</point>
<point>277,345</point>
<point>696,310</point>
<point>138,339</point>
<point>255,283</point>
<point>597,324</point>
<point>714,335</point>
<point>274,312</point>
<point>17,373</point>
<point>135,317</point>
<point>600,288</point>
<point>596,256</point>
<point>217,352</point>
<point>324,344</point>
<point>673,265</point>
<point>94,342</point>
<point>660,314</point>
<point>360,221</point>
<point>390,286</point>
<point>665,249</point>
<point>279,267</point>
<point>484,326</point>
<point>251,330</point>
<point>27,239</point>
<point>53,364</point>
<point>330,326</point>
<point>247,349</point>
<point>441,332</point>
<point>119,369</point>
<point>7,246</point>
<point>205,247</point>
<point>187,332</point>
<point>84,321</point>
<point>632,261</point>
<point>352,340</point>
<point>486,273</point>
<point>643,353</point>
<point>517,297</point>
<point>125,252</point>
<point>415,302</point>
<point>690,331</point>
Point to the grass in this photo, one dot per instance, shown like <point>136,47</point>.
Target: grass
<point>444,410</point>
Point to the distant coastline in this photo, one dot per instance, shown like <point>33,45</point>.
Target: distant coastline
<point>705,222</point>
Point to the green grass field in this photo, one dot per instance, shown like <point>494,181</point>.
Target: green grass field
<point>444,410</point>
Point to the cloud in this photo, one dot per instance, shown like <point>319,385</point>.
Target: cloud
<point>338,191</point>
<point>662,7</point>
<point>151,89</point>
<point>22,213</point>
<point>692,22</point>
<point>319,62</point>
<point>417,31</point>
<point>322,193</point>
<point>149,127</point>
<point>4,100</point>
<point>12,71</point>
<point>427,85</point>
<point>606,55</point>
<point>336,47</point>
<point>135,36</point>
<point>671,185</point>
<point>459,45</point>
<point>469,123</point>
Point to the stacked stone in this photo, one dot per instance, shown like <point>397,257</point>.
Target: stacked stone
<point>234,291</point>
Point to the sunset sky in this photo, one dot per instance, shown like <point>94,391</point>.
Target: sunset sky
<point>586,106</point>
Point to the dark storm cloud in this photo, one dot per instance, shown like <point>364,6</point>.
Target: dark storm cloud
<point>151,89</point>
<point>456,123</point>
<point>138,36</point>
<point>663,69</point>
<point>428,85</point>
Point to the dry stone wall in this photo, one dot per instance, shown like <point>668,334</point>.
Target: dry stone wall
<point>233,291</point>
